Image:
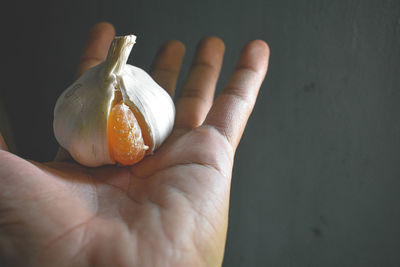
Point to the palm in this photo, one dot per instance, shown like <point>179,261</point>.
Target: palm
<point>168,210</point>
<point>161,208</point>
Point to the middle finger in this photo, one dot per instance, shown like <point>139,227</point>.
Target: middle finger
<point>167,64</point>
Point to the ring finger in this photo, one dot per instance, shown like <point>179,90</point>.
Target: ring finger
<point>198,92</point>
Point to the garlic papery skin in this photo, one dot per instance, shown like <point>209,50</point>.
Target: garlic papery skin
<point>82,111</point>
<point>80,117</point>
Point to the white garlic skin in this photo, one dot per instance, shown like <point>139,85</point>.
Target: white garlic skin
<point>82,110</point>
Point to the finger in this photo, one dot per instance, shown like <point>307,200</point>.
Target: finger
<point>167,64</point>
<point>233,106</point>
<point>96,48</point>
<point>198,92</point>
<point>3,145</point>
<point>62,155</point>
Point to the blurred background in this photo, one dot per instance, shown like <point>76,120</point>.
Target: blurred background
<point>317,174</point>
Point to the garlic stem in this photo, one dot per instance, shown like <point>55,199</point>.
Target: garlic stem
<point>118,55</point>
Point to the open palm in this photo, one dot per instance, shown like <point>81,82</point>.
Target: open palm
<point>171,209</point>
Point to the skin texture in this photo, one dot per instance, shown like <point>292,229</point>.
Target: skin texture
<point>171,209</point>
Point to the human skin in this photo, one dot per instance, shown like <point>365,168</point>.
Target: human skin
<point>171,209</point>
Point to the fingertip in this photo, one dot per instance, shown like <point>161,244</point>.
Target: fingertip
<point>255,56</point>
<point>170,55</point>
<point>104,27</point>
<point>258,48</point>
<point>210,49</point>
<point>260,44</point>
<point>213,42</point>
<point>176,43</point>
<point>174,47</point>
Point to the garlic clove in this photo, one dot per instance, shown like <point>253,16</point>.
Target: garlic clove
<point>159,119</point>
<point>82,112</point>
<point>80,115</point>
<point>125,139</point>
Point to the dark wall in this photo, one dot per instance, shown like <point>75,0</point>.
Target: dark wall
<point>317,175</point>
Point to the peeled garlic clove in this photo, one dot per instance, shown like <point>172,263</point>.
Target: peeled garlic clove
<point>114,113</point>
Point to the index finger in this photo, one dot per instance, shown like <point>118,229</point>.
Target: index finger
<point>232,108</point>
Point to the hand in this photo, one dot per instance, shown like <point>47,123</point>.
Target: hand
<point>171,209</point>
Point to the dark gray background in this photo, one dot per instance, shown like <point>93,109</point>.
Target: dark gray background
<point>316,180</point>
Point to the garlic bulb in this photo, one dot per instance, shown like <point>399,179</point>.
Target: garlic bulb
<point>114,113</point>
